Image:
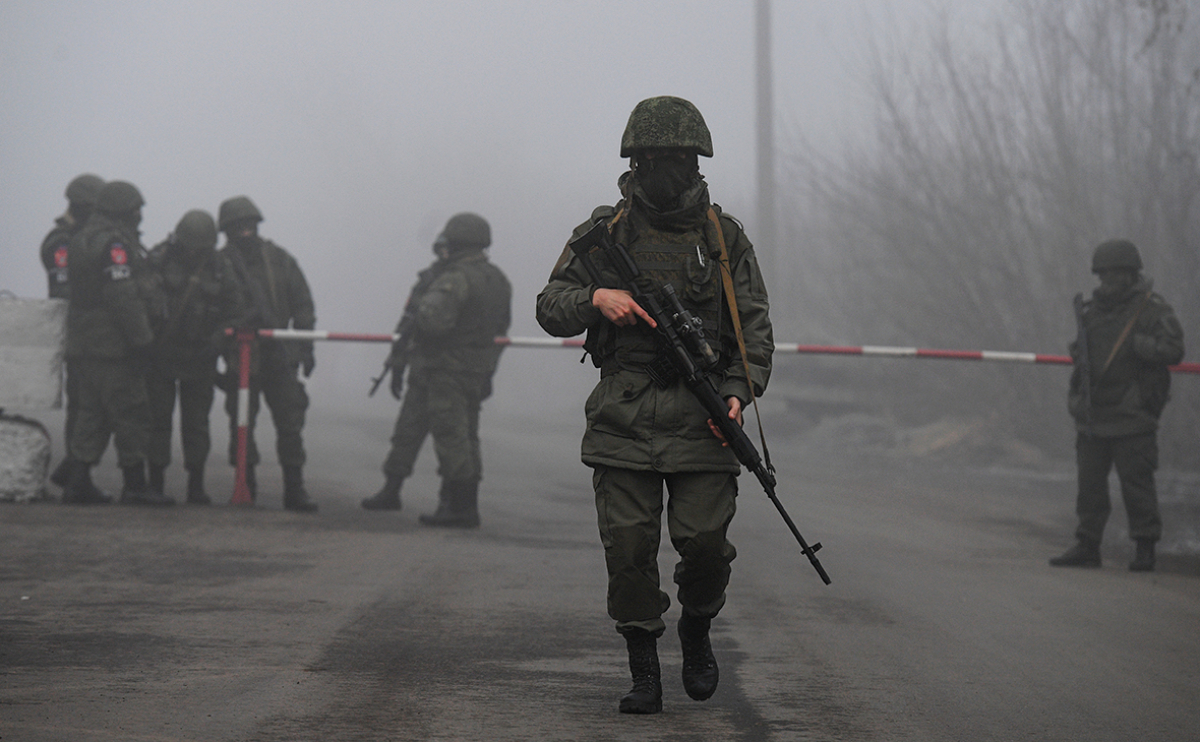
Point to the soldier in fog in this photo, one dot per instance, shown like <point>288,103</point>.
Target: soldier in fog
<point>642,434</point>
<point>457,308</point>
<point>275,294</point>
<point>109,346</point>
<point>81,199</point>
<point>1128,337</point>
<point>202,299</point>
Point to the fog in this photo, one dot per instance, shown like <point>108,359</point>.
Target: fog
<point>358,128</point>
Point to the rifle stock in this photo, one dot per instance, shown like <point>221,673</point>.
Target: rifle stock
<point>681,336</point>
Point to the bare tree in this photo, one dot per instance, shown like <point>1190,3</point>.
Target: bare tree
<point>995,169</point>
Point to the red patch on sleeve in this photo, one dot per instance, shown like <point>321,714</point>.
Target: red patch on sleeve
<point>117,254</point>
<point>60,257</point>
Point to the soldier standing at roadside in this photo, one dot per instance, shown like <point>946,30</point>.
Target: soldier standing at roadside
<point>642,434</point>
<point>81,200</point>
<point>275,294</point>
<point>459,306</point>
<point>109,341</point>
<point>1118,390</point>
<point>202,299</point>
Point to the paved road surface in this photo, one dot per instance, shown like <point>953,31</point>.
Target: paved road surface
<point>943,622</point>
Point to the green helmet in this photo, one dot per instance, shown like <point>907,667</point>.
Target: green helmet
<point>84,189</point>
<point>466,230</point>
<point>1116,254</point>
<point>237,209</point>
<point>197,231</point>
<point>119,197</point>
<point>666,122</point>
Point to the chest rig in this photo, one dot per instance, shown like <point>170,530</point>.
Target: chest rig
<point>686,262</point>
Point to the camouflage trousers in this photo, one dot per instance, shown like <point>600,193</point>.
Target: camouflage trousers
<point>445,406</point>
<point>195,394</point>
<point>110,402</point>
<point>1135,458</point>
<point>629,509</point>
<point>288,401</point>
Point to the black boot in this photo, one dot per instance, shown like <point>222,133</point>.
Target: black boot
<point>294,496</point>
<point>646,695</point>
<point>251,482</point>
<point>137,492</point>
<point>79,489</point>
<point>1143,561</point>
<point>1082,554</point>
<point>62,473</point>
<point>700,673</point>
<point>458,506</point>
<point>158,478</point>
<point>387,498</point>
<point>195,487</point>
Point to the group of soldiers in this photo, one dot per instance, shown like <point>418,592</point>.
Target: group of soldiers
<point>645,431</point>
<point>147,327</point>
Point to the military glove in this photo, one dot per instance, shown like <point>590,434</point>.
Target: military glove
<point>397,385</point>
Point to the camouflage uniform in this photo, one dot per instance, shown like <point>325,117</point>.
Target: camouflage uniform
<point>640,435</point>
<point>109,337</point>
<point>202,299</point>
<point>457,309</point>
<point>275,294</point>
<point>1117,423</point>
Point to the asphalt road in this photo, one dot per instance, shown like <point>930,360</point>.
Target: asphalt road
<point>943,622</point>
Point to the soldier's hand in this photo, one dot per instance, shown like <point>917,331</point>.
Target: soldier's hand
<point>618,307</point>
<point>307,364</point>
<point>397,385</point>
<point>735,414</point>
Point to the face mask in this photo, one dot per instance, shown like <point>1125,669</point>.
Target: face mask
<point>665,179</point>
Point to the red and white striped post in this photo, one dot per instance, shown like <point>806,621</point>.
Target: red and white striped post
<point>241,491</point>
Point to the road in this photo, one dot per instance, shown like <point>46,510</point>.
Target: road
<point>943,622</point>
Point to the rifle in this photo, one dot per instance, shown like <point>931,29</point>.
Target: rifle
<point>397,360</point>
<point>1083,359</point>
<point>680,336</point>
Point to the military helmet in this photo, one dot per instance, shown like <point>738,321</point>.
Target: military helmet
<point>119,197</point>
<point>466,230</point>
<point>666,122</point>
<point>237,209</point>
<point>84,189</point>
<point>1116,254</point>
<point>197,230</point>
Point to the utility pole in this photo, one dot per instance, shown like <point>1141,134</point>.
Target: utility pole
<point>767,233</point>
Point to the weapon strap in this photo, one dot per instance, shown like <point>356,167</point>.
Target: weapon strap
<point>192,282</point>
<point>1125,333</point>
<point>731,299</point>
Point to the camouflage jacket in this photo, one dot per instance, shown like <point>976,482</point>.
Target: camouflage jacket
<point>274,294</point>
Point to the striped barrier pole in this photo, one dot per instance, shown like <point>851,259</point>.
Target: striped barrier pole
<point>241,491</point>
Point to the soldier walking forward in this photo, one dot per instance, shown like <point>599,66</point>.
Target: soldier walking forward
<point>642,435</point>
<point>458,307</point>
<point>1128,337</point>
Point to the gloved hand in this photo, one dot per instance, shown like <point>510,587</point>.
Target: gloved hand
<point>307,364</point>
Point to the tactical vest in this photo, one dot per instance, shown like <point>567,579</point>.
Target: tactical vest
<point>689,263</point>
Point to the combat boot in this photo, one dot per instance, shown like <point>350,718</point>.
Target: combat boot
<point>195,487</point>
<point>158,478</point>
<point>62,473</point>
<point>294,496</point>
<point>387,498</point>
<point>1143,560</point>
<point>700,673</point>
<point>137,492</point>
<point>646,695</point>
<point>458,506</point>
<point>79,489</point>
<point>1082,554</point>
<point>251,482</point>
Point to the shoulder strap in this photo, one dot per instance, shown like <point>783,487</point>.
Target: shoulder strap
<point>1125,332</point>
<point>731,300</point>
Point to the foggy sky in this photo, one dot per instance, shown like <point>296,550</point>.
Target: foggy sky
<point>358,128</point>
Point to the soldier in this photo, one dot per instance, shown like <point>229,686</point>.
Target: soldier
<point>202,299</point>
<point>1120,384</point>
<point>641,435</point>
<point>275,294</point>
<point>109,341</point>
<point>81,199</point>
<point>458,307</point>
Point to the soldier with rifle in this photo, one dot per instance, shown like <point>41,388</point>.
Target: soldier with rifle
<point>1127,337</point>
<point>446,342</point>
<point>669,292</point>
